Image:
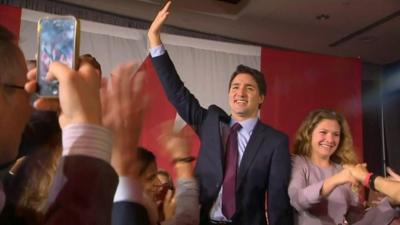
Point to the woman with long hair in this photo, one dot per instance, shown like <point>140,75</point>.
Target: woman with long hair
<point>321,190</point>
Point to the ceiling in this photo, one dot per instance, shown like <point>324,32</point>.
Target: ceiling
<point>368,29</point>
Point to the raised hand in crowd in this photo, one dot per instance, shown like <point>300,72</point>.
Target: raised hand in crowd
<point>79,99</point>
<point>177,144</point>
<point>181,207</point>
<point>123,106</point>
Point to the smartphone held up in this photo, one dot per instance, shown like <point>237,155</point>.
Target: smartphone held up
<point>57,41</point>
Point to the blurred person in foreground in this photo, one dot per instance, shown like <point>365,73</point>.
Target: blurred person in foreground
<point>30,178</point>
<point>136,166</point>
<point>80,194</point>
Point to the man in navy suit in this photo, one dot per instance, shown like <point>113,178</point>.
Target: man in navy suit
<point>263,162</point>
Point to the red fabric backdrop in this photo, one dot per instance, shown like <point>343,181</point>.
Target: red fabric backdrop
<point>10,17</point>
<point>297,83</point>
<point>300,82</point>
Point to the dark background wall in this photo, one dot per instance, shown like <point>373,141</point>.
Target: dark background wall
<point>372,116</point>
<point>381,108</point>
<point>391,113</point>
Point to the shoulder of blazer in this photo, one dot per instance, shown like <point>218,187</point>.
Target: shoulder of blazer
<point>217,111</point>
<point>270,131</point>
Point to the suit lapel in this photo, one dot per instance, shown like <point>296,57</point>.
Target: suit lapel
<point>253,146</point>
<point>220,119</point>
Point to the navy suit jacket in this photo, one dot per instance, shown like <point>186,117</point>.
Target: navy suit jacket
<point>85,195</point>
<point>129,213</point>
<point>265,166</point>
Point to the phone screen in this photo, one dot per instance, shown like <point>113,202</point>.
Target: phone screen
<point>57,42</point>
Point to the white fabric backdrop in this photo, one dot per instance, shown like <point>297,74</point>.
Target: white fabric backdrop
<point>205,66</point>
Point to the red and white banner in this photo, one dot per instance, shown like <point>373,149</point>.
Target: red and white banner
<point>297,82</point>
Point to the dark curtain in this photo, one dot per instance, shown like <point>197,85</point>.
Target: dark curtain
<point>391,113</point>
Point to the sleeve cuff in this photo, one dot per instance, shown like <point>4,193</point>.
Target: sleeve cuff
<point>186,184</point>
<point>88,140</point>
<point>157,51</point>
<point>385,205</point>
<point>128,189</point>
<point>313,193</point>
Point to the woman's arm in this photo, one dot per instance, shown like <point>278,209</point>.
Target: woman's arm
<point>388,186</point>
<point>343,177</point>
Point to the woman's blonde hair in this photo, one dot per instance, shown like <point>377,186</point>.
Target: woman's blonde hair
<point>33,176</point>
<point>344,154</point>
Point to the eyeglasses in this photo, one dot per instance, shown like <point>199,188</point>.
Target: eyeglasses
<point>32,98</point>
<point>14,86</point>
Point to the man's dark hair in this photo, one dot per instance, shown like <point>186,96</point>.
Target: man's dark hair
<point>88,58</point>
<point>257,76</point>
<point>31,64</point>
<point>41,129</point>
<point>6,35</point>
<point>145,159</point>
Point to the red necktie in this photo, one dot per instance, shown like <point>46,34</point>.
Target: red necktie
<point>231,163</point>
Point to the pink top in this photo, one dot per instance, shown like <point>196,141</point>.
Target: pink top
<point>312,209</point>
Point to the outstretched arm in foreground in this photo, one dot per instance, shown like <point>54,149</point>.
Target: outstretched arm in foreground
<point>388,186</point>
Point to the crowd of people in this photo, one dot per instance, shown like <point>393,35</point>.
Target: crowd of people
<point>77,159</point>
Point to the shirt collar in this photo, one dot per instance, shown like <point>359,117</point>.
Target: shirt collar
<point>248,124</point>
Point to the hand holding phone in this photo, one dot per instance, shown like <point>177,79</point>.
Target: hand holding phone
<point>57,41</point>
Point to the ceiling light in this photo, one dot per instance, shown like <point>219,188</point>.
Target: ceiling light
<point>322,17</point>
<point>368,39</point>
